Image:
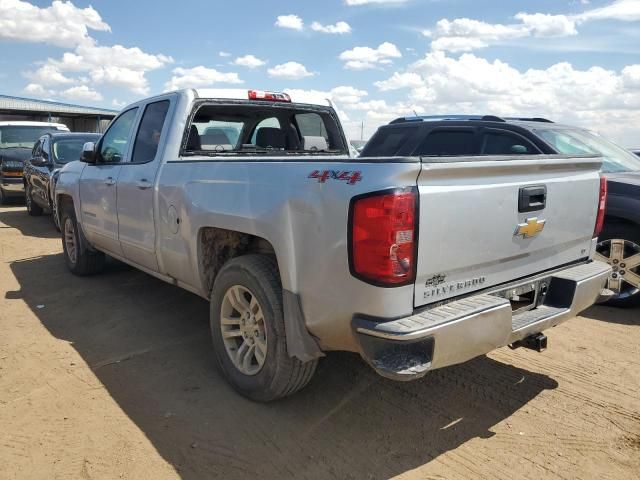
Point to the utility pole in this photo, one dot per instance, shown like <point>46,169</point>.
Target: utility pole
<point>362,130</point>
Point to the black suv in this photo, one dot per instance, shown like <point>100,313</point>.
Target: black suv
<point>462,135</point>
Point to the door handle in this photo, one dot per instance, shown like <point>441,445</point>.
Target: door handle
<point>143,184</point>
<point>532,198</point>
<point>109,181</point>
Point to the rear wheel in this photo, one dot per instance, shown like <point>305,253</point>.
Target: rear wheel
<point>33,208</point>
<point>79,259</point>
<point>619,246</point>
<point>247,325</point>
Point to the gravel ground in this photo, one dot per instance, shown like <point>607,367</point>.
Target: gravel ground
<point>113,377</point>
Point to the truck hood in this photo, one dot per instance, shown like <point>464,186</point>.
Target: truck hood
<point>14,153</point>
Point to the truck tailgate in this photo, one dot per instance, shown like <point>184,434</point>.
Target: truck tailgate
<point>473,233</point>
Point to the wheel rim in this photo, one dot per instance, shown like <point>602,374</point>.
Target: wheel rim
<point>624,258</point>
<point>243,330</point>
<point>54,212</point>
<point>70,240</point>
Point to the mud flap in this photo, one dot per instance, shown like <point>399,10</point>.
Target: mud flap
<point>300,343</point>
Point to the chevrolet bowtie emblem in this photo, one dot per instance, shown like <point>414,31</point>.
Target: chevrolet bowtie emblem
<point>531,228</point>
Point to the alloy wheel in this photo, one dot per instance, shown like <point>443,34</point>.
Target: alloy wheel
<point>624,258</point>
<point>70,240</point>
<point>243,329</point>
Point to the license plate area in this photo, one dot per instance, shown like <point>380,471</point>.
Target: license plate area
<point>526,296</point>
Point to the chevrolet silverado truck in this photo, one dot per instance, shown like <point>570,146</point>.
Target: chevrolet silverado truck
<point>251,200</point>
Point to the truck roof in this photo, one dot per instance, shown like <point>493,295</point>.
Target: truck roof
<point>308,98</point>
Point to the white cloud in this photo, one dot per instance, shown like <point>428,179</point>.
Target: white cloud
<point>37,90</point>
<point>224,54</point>
<point>48,75</point>
<point>373,2</point>
<point>293,22</point>
<point>604,100</point>
<point>465,34</point>
<point>199,76</point>
<point>623,10</point>
<point>400,80</point>
<point>289,71</point>
<point>545,25</point>
<point>249,61</point>
<point>338,28</point>
<point>118,103</point>
<point>347,95</point>
<point>61,24</point>
<point>82,92</point>
<point>362,58</point>
<point>113,65</point>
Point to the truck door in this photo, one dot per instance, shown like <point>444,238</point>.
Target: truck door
<point>98,184</point>
<point>135,190</point>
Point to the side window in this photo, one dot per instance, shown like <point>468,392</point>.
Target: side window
<point>44,146</point>
<point>115,140</point>
<point>386,142</point>
<point>448,143</point>
<point>272,122</point>
<point>148,138</point>
<point>504,143</point>
<point>36,149</point>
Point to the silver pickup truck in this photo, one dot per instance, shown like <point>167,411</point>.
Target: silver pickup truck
<point>251,200</point>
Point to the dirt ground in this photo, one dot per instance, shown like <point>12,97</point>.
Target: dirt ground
<point>113,377</point>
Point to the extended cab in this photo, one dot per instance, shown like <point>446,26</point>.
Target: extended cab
<point>251,200</point>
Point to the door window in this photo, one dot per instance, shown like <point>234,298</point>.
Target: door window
<point>448,143</point>
<point>45,149</point>
<point>116,139</point>
<point>504,143</point>
<point>149,132</point>
<point>37,149</point>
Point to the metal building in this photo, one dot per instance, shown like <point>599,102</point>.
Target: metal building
<point>76,117</point>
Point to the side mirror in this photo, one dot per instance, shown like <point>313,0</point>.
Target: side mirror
<point>40,162</point>
<point>519,149</point>
<point>88,153</point>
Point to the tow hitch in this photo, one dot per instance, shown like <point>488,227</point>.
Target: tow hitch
<point>537,342</point>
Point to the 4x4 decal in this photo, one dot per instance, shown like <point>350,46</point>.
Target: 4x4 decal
<point>346,176</point>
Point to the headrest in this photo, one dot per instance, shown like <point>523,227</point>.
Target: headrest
<point>310,142</point>
<point>193,142</point>
<point>269,137</point>
<point>214,136</point>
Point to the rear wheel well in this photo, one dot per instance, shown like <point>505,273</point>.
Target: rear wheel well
<point>216,246</point>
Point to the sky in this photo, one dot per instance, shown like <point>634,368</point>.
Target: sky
<point>572,61</point>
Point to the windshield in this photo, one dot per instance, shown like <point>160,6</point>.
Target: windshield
<point>578,142</point>
<point>19,136</point>
<point>69,149</point>
<point>259,129</point>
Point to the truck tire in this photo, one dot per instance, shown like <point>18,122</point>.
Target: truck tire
<point>79,259</point>
<point>629,293</point>
<point>247,326</point>
<point>3,197</point>
<point>33,208</point>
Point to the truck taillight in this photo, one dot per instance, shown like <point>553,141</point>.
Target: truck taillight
<point>269,96</point>
<point>602,203</point>
<point>383,237</point>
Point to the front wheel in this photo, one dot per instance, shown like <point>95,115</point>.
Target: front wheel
<point>33,208</point>
<point>247,326</point>
<point>619,246</point>
<point>79,259</point>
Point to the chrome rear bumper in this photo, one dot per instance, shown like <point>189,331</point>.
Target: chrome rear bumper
<point>406,348</point>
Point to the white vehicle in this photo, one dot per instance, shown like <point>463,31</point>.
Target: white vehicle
<point>250,200</point>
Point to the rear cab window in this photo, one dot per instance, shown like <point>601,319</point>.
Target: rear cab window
<point>261,128</point>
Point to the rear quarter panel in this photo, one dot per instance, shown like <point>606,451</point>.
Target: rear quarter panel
<point>304,219</point>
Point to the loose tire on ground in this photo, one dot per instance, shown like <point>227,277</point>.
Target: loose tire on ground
<point>256,277</point>
<point>33,208</point>
<point>79,259</point>
<point>630,297</point>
